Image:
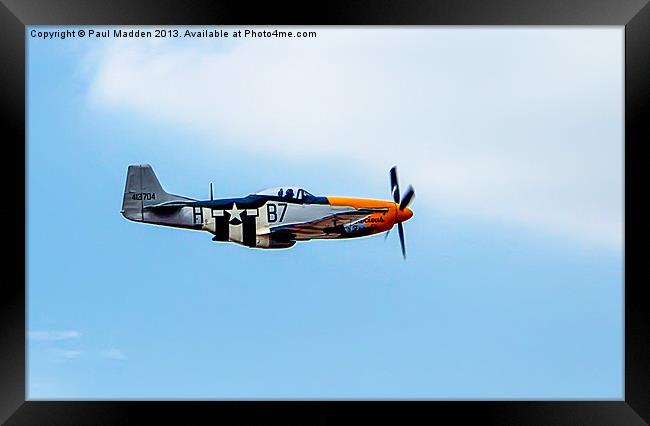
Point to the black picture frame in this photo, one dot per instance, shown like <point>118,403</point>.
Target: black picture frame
<point>15,15</point>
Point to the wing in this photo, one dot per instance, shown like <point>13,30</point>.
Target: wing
<point>326,227</point>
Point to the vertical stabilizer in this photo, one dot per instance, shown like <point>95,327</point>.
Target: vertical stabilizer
<point>142,190</point>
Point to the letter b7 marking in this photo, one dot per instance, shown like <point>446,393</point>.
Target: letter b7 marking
<point>272,212</point>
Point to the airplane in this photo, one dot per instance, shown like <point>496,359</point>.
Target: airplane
<point>273,218</point>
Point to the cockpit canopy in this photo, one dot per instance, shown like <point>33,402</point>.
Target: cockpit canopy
<point>288,192</point>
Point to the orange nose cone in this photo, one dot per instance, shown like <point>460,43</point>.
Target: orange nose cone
<point>404,215</point>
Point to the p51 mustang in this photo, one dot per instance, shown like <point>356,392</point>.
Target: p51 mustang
<point>271,218</point>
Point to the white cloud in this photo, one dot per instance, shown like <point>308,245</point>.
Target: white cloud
<point>67,353</point>
<point>521,125</point>
<point>113,353</point>
<point>53,335</point>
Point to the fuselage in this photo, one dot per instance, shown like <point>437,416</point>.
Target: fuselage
<point>249,220</point>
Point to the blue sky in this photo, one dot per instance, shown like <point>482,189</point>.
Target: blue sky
<point>513,287</point>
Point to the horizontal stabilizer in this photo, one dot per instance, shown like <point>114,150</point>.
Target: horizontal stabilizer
<point>168,205</point>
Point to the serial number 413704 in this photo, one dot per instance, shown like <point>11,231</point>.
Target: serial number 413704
<point>144,196</point>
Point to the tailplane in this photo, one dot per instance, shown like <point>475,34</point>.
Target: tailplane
<point>143,190</point>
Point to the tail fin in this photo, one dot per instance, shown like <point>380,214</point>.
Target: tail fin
<point>143,190</point>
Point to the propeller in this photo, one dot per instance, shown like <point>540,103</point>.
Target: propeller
<point>403,203</point>
<point>394,186</point>
<point>408,197</point>
<point>400,228</point>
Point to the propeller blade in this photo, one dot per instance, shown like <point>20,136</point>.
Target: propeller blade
<point>386,235</point>
<point>408,197</point>
<point>211,197</point>
<point>401,239</point>
<point>394,186</point>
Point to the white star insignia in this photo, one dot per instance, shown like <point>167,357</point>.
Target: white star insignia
<point>235,213</point>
